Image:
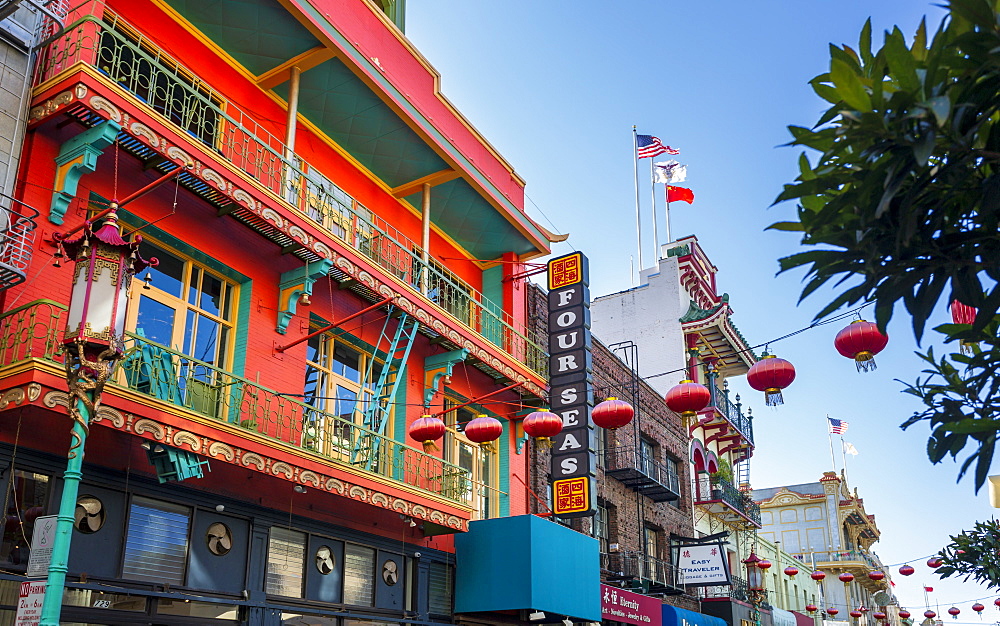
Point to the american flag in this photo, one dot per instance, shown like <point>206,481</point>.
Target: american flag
<point>837,427</point>
<point>650,146</point>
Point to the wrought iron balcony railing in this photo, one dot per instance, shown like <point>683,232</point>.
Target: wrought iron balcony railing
<point>738,590</point>
<point>708,491</point>
<point>640,570</point>
<point>841,555</point>
<point>632,466</point>
<point>35,329</point>
<point>17,229</point>
<point>116,49</point>
<point>733,413</point>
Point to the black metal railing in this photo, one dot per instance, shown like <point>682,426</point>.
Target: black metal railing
<point>712,490</point>
<point>636,569</point>
<point>636,468</point>
<point>733,412</point>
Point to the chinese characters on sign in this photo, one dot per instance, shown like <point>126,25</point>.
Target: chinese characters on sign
<point>570,381</point>
<point>618,605</point>
<point>703,565</point>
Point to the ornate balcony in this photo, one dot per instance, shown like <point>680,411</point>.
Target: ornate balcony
<point>738,590</point>
<point>237,165</point>
<point>632,467</point>
<point>190,390</point>
<point>724,500</point>
<point>733,412</point>
<point>17,229</point>
<point>640,572</point>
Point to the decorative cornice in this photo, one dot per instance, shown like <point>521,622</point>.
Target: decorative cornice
<point>221,451</point>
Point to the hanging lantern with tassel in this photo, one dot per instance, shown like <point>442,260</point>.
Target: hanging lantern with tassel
<point>427,430</point>
<point>954,611</point>
<point>687,398</point>
<point>818,575</point>
<point>542,425</point>
<point>963,314</point>
<point>484,430</point>
<point>861,341</point>
<point>771,375</point>
<point>832,611</point>
<point>978,608</point>
<point>906,570</point>
<point>791,571</point>
<point>612,413</point>
<point>811,608</point>
<point>904,614</point>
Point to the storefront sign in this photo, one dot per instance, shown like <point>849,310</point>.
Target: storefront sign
<point>29,604</point>
<point>703,565</point>
<point>42,537</point>
<point>574,491</point>
<point>618,605</point>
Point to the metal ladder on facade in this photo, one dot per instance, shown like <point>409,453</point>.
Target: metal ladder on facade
<point>379,407</point>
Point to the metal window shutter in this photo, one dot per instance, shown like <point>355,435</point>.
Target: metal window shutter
<point>286,555</point>
<point>359,575</point>
<point>156,546</point>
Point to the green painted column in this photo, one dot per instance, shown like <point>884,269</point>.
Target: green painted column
<point>56,582</point>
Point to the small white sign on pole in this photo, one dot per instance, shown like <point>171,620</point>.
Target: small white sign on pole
<point>29,604</point>
<point>703,565</point>
<point>42,538</point>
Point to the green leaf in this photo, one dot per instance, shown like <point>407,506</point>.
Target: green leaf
<point>787,226</point>
<point>849,86</point>
<point>901,61</point>
<point>940,106</point>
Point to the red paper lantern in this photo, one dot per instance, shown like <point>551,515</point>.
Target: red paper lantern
<point>861,341</point>
<point>811,608</point>
<point>954,611</point>
<point>978,608</point>
<point>832,611</point>
<point>687,398</point>
<point>929,614</point>
<point>817,575</point>
<point>846,577</point>
<point>997,603</point>
<point>764,564</point>
<point>934,562</point>
<point>542,425</point>
<point>791,571</point>
<point>483,429</point>
<point>771,375</point>
<point>612,413</point>
<point>876,575</point>
<point>904,614</point>
<point>906,570</point>
<point>427,430</point>
<point>879,615</point>
<point>856,614</point>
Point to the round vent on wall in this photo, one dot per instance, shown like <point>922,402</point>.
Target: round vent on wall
<point>390,572</point>
<point>324,560</point>
<point>89,516</point>
<point>219,539</point>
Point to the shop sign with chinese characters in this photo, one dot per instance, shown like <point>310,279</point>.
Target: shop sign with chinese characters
<point>571,387</point>
<point>703,565</point>
<point>618,605</point>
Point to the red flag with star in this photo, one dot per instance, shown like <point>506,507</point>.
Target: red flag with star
<point>679,194</point>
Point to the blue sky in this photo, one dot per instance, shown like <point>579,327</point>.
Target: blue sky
<point>556,88</point>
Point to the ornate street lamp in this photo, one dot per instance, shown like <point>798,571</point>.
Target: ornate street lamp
<point>756,593</point>
<point>93,344</point>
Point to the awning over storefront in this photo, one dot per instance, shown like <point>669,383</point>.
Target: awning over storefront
<point>528,563</point>
<point>803,620</point>
<point>673,616</point>
<point>618,605</point>
<point>781,617</point>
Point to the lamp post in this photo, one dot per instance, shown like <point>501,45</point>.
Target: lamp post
<point>756,593</point>
<point>93,343</point>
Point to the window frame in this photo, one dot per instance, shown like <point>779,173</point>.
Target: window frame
<point>485,460</point>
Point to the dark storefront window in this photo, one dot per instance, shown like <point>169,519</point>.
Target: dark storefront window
<point>286,554</point>
<point>441,589</point>
<point>157,542</point>
<point>25,500</point>
<point>359,575</point>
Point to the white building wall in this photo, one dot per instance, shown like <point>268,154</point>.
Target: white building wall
<point>648,315</point>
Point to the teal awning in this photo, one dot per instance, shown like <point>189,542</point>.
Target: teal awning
<point>673,616</point>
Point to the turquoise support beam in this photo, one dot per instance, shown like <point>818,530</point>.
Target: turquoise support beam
<point>77,157</point>
<point>441,365</point>
<point>293,285</point>
<point>59,565</point>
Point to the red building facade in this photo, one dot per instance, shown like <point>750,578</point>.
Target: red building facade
<point>338,254</point>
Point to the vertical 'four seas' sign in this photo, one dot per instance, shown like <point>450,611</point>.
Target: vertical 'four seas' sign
<point>574,491</point>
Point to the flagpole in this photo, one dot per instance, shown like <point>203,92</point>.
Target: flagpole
<point>652,210</point>
<point>638,217</point>
<point>829,434</point>
<point>843,453</point>
<point>666,211</point>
